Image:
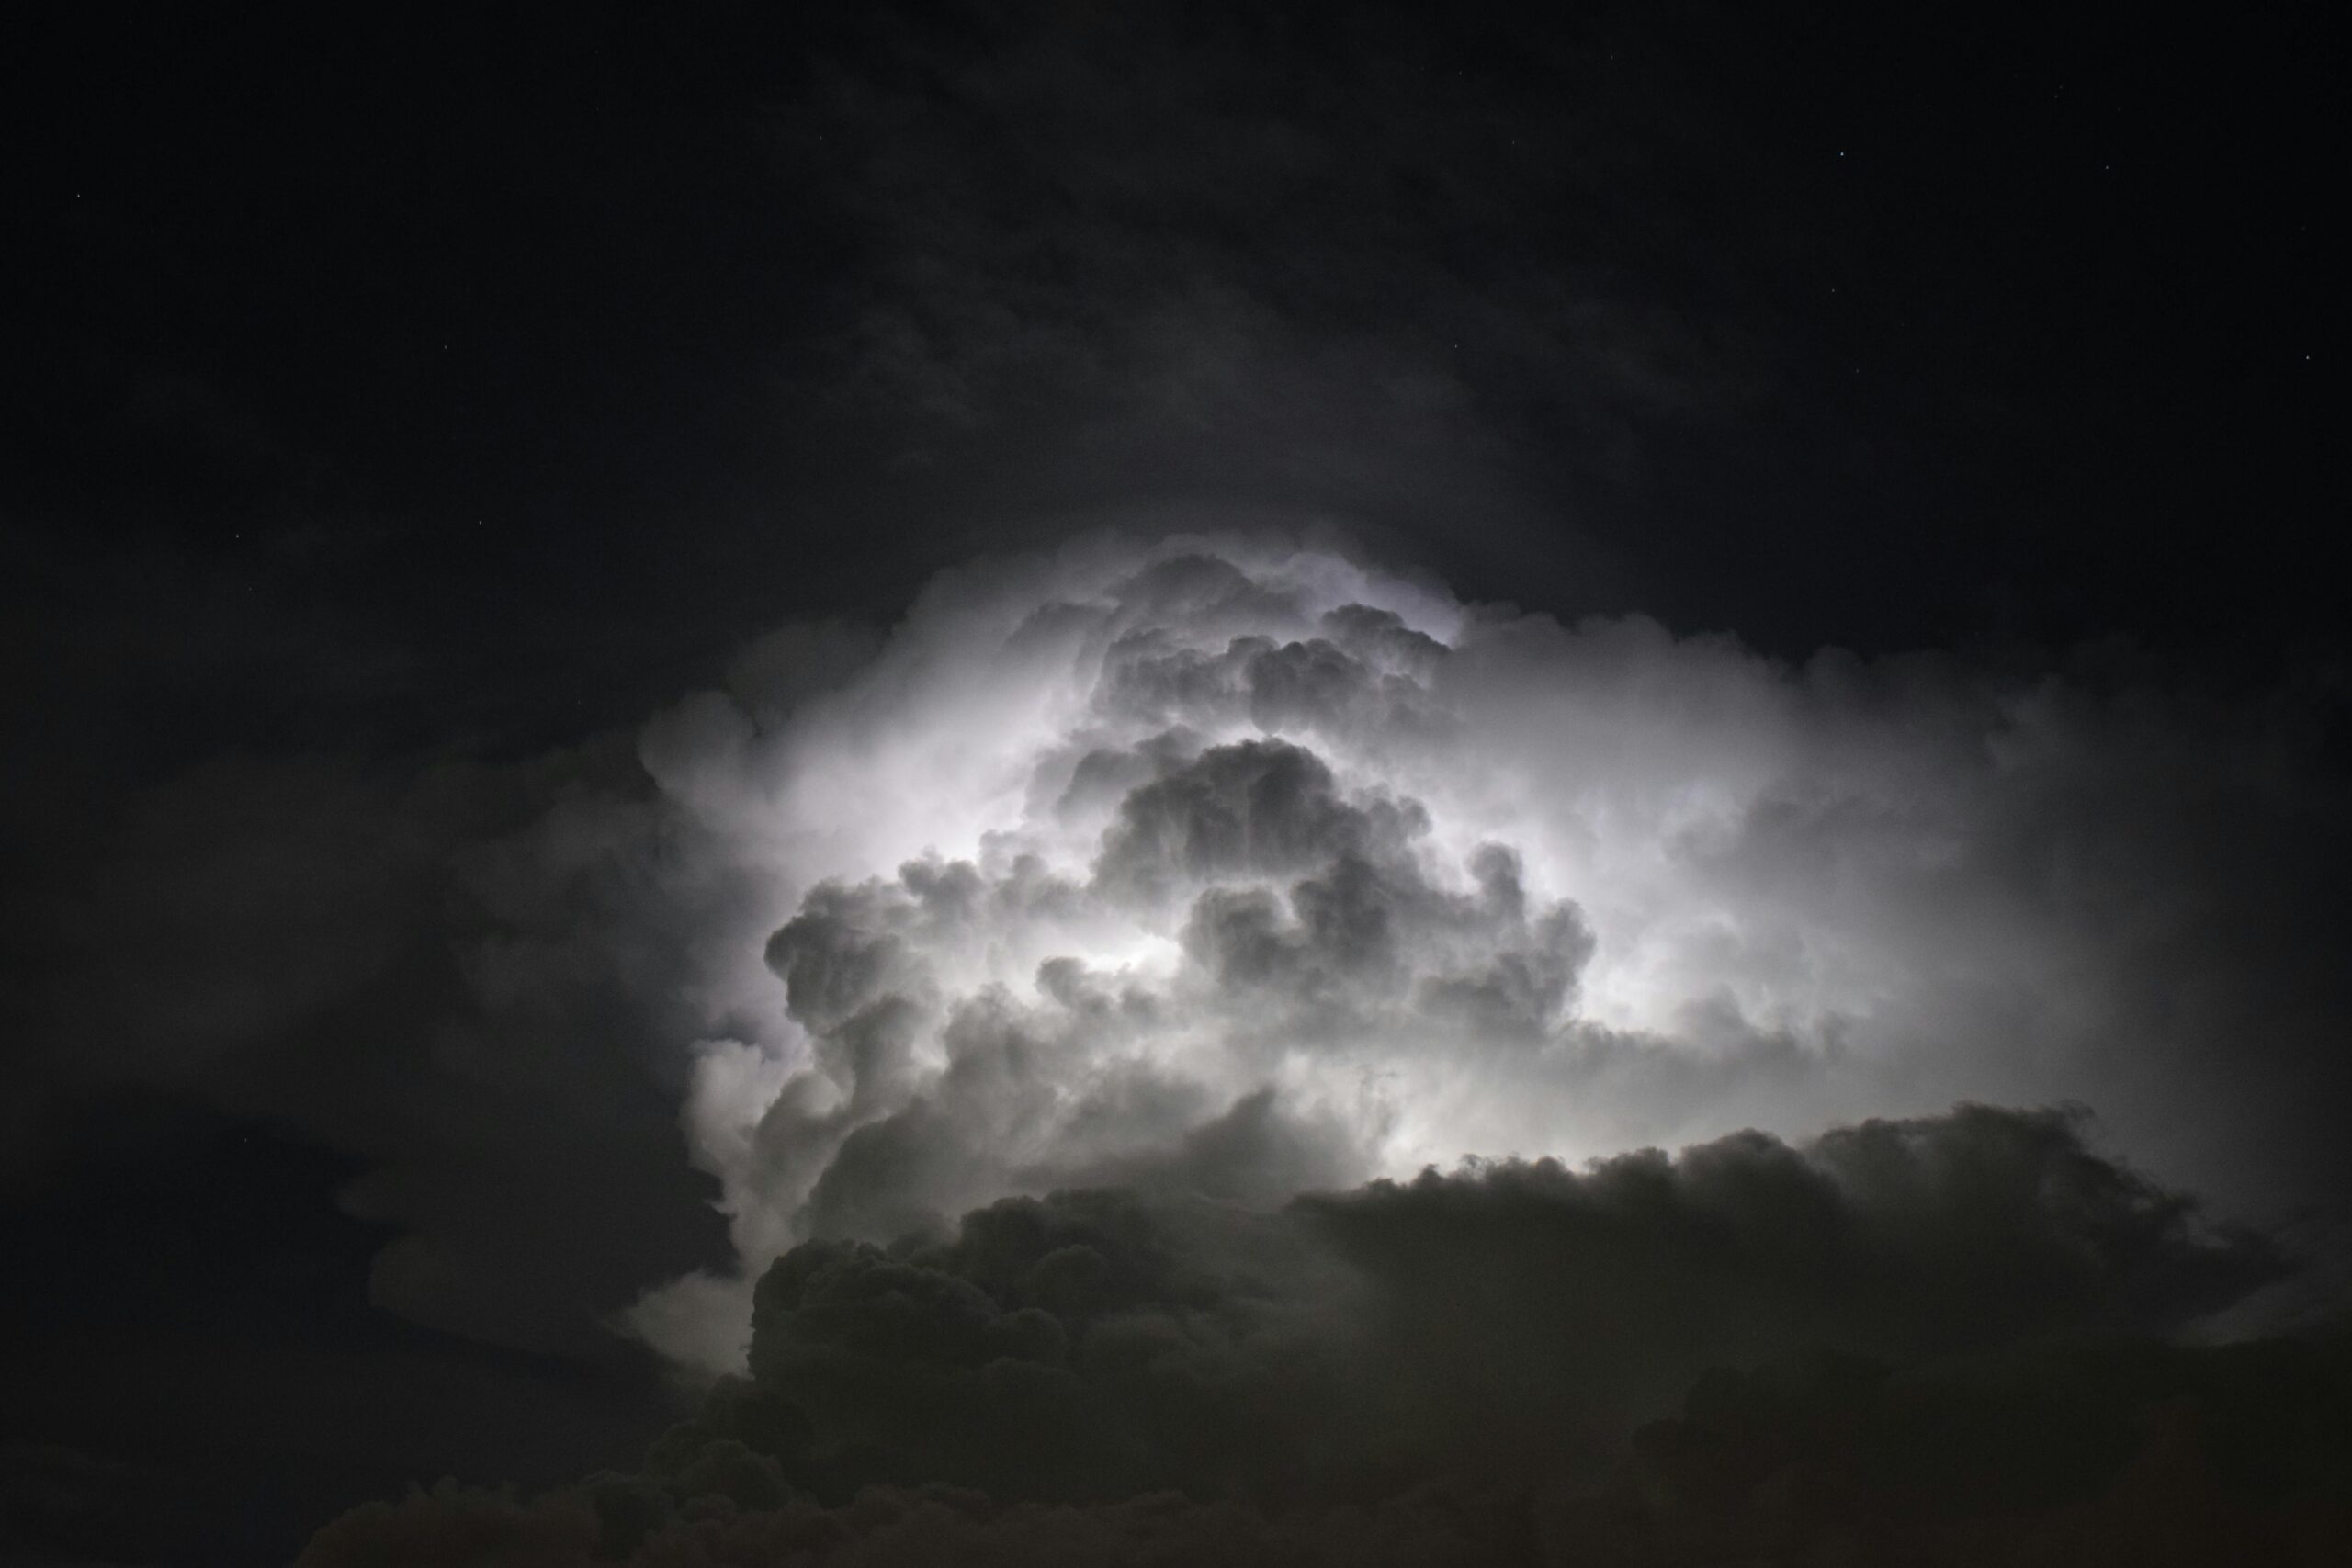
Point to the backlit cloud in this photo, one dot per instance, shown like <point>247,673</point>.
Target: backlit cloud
<point>1109,859</point>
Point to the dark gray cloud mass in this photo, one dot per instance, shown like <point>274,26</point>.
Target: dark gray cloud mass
<point>1096,1344</point>
<point>1449,1371</point>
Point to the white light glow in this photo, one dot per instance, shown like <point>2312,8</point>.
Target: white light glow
<point>1486,885</point>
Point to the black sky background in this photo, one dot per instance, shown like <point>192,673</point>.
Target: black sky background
<point>425,392</point>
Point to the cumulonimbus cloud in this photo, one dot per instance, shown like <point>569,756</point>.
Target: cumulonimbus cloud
<point>1230,866</point>
<point>1241,869</point>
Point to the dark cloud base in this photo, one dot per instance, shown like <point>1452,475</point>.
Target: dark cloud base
<point>2123,1452</point>
<point>1960,1339</point>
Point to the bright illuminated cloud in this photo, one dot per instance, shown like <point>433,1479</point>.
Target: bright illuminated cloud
<point>1237,868</point>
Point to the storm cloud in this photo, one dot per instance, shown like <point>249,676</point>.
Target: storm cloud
<point>1230,866</point>
<point>1111,856</point>
<point>1903,1336</point>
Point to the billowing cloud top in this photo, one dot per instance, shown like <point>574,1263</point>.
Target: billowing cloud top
<point>1234,870</point>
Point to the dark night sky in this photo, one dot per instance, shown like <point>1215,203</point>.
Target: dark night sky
<point>399,409</point>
